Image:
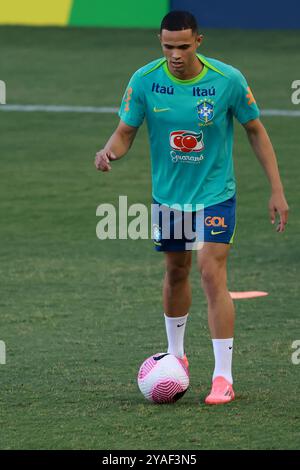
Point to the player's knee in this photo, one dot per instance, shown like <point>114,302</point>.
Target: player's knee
<point>213,276</point>
<point>177,274</point>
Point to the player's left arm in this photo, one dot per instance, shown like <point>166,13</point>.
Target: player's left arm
<point>263,149</point>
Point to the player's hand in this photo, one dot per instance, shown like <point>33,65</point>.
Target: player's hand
<point>278,204</point>
<point>102,159</point>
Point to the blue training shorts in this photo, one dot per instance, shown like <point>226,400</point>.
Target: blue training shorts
<point>213,224</point>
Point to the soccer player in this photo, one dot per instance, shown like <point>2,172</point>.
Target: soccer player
<point>189,102</point>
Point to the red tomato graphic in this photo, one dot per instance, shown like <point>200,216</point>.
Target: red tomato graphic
<point>189,142</point>
<point>185,149</point>
<point>178,141</point>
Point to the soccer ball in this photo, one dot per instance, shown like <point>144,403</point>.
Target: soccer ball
<point>163,378</point>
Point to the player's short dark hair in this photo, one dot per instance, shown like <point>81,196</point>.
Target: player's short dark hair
<point>177,20</point>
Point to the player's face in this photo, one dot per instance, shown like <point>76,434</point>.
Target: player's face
<point>179,48</point>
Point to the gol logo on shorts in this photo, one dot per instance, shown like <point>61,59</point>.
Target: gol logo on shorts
<point>215,221</point>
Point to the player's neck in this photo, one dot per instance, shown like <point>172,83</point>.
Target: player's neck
<point>190,73</point>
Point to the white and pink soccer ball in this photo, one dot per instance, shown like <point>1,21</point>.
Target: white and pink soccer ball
<point>163,378</point>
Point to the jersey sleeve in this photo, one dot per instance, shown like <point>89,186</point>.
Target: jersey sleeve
<point>132,109</point>
<point>243,103</point>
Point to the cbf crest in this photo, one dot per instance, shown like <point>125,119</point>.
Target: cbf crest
<point>205,110</point>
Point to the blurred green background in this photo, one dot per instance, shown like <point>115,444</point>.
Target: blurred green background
<point>79,315</point>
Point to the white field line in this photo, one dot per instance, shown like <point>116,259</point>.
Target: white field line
<point>110,110</point>
<point>28,108</point>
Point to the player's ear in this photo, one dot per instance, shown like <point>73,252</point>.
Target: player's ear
<point>199,39</point>
<point>159,37</point>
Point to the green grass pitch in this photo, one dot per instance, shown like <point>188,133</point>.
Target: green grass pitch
<point>78,315</point>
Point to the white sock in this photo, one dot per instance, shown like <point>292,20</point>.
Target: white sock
<point>175,327</point>
<point>223,358</point>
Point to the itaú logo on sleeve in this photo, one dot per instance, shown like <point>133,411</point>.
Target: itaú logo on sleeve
<point>187,141</point>
<point>215,221</point>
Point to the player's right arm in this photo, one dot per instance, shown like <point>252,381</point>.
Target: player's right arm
<point>132,113</point>
<point>116,147</point>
